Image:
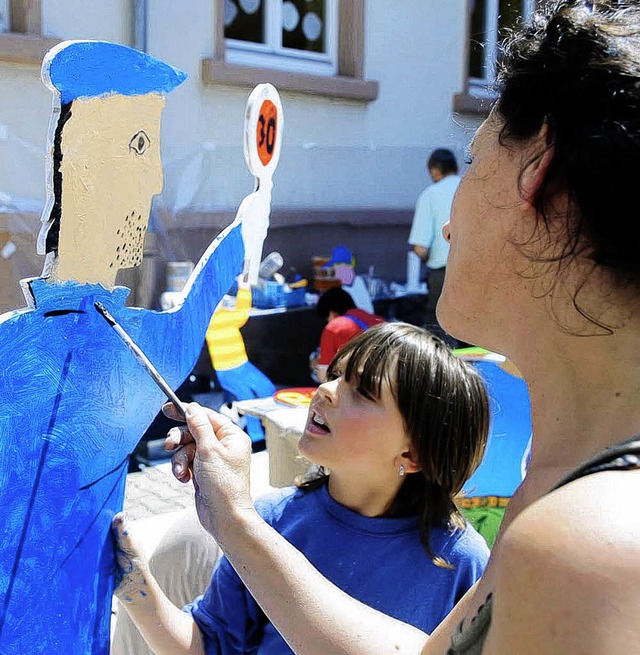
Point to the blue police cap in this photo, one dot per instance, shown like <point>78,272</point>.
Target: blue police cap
<point>87,69</point>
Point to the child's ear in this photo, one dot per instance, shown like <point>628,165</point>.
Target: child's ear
<point>409,459</point>
<point>534,171</point>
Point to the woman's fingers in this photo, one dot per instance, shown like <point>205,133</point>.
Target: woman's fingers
<point>170,411</point>
<point>222,425</point>
<point>182,461</point>
<point>203,430</point>
<point>177,436</point>
<point>208,428</point>
<point>132,568</point>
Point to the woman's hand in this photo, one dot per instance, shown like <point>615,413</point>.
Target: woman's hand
<point>216,454</point>
<point>132,574</point>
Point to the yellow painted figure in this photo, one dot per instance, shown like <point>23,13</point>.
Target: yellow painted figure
<point>239,378</point>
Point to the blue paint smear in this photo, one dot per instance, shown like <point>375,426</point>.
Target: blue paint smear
<point>57,560</point>
<point>500,472</point>
<point>86,69</point>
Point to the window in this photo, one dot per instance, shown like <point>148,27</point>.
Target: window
<point>305,46</point>
<point>21,40</point>
<point>294,35</point>
<point>489,22</point>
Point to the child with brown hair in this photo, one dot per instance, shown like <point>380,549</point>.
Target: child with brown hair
<point>397,429</point>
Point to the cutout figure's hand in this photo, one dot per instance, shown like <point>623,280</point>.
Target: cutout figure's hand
<point>262,142</point>
<point>132,573</point>
<point>216,453</point>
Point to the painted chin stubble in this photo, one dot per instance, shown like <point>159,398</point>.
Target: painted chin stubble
<point>131,235</point>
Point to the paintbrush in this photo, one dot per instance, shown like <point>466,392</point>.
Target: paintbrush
<point>142,358</point>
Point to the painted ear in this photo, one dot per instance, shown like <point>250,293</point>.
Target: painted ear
<point>537,166</point>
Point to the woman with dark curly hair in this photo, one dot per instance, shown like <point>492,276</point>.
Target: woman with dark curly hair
<point>544,267</point>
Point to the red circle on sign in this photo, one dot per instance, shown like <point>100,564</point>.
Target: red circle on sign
<point>267,131</point>
<point>296,396</point>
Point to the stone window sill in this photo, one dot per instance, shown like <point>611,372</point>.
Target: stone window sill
<point>468,103</point>
<point>215,71</point>
<point>25,48</point>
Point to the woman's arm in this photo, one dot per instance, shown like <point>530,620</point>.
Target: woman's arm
<point>167,629</point>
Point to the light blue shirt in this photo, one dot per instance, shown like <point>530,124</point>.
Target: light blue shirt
<point>433,210</point>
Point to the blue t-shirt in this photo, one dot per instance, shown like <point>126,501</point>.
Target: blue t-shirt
<point>379,561</point>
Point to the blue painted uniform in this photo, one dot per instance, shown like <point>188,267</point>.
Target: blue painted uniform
<point>74,403</point>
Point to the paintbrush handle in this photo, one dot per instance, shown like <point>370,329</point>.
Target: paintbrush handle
<point>142,358</point>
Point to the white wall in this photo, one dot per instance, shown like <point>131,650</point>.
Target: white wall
<point>336,154</point>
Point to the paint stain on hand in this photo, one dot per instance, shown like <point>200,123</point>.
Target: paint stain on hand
<point>132,567</point>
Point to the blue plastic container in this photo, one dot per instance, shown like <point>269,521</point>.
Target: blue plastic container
<point>274,295</point>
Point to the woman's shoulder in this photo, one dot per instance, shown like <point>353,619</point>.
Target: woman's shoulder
<point>567,578</point>
<point>596,515</point>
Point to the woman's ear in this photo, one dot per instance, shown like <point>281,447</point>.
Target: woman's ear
<point>538,157</point>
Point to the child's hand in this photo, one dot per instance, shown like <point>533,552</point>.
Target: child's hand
<point>132,573</point>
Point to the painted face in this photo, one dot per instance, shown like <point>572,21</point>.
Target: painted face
<point>111,170</point>
<point>350,433</point>
<point>477,302</point>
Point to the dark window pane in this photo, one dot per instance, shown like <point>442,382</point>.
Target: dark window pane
<point>510,13</point>
<point>244,20</point>
<point>478,38</point>
<point>303,25</point>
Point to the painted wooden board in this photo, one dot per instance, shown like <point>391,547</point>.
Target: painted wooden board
<point>73,400</point>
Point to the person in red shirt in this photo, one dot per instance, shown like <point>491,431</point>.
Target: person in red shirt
<point>345,321</point>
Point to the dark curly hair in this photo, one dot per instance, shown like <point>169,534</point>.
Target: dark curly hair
<point>444,408</point>
<point>576,68</point>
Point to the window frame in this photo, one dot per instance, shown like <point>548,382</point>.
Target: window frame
<point>272,54</point>
<point>348,82</point>
<point>24,42</point>
<point>478,95</point>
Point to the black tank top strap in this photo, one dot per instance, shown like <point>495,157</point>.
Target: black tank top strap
<point>619,457</point>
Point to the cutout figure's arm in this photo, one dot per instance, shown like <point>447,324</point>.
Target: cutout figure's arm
<point>239,247</point>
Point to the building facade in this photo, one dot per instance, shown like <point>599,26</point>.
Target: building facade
<point>369,88</point>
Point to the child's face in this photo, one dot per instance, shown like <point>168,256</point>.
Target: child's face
<point>348,432</point>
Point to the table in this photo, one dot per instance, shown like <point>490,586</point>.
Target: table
<point>283,427</point>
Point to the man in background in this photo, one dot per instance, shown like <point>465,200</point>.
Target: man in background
<point>433,209</point>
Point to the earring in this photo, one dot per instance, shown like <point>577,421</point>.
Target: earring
<point>401,470</point>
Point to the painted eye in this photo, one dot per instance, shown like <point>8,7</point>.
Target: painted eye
<point>139,143</point>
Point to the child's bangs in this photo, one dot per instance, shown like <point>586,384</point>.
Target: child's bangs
<point>365,363</point>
